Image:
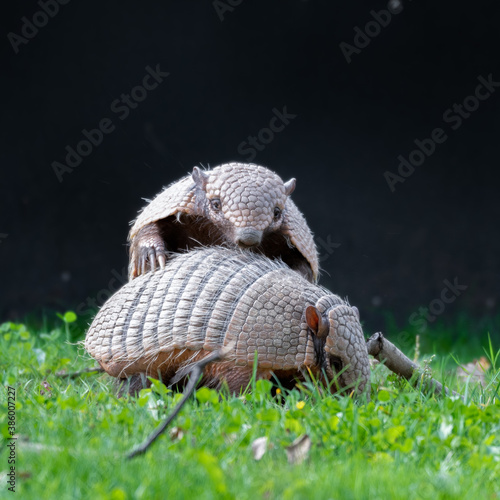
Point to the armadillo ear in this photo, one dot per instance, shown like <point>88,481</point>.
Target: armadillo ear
<point>200,178</point>
<point>290,186</point>
<point>315,322</point>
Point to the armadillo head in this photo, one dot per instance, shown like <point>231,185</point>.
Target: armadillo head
<point>337,326</point>
<point>247,201</point>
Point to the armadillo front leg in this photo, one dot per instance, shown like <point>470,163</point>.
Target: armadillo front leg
<point>147,251</point>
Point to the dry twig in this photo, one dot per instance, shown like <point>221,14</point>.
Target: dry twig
<point>386,352</point>
<point>195,372</point>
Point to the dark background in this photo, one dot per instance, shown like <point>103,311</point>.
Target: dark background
<point>66,241</point>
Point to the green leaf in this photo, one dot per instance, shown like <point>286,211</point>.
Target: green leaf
<point>333,422</point>
<point>4,431</point>
<point>374,422</point>
<point>118,494</point>
<point>294,426</point>
<point>384,396</point>
<point>5,327</point>
<point>263,387</point>
<point>206,395</point>
<point>215,473</point>
<point>25,335</point>
<point>69,317</point>
<point>53,335</point>
<point>144,397</point>
<point>407,446</point>
<point>382,457</point>
<point>268,415</point>
<point>159,387</point>
<point>475,433</point>
<point>394,433</point>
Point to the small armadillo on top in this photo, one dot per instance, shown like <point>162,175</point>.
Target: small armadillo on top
<point>234,204</point>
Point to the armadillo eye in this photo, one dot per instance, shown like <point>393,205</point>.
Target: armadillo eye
<point>277,213</point>
<point>215,204</point>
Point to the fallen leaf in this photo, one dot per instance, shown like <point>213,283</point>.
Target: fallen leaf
<point>259,447</point>
<point>297,452</point>
<point>47,387</point>
<point>230,438</point>
<point>176,433</point>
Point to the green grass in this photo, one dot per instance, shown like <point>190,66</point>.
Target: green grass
<point>73,434</point>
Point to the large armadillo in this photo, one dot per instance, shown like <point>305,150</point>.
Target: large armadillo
<point>235,204</point>
<point>212,297</point>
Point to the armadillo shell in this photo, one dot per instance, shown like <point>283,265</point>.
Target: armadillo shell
<point>201,301</point>
<point>179,197</point>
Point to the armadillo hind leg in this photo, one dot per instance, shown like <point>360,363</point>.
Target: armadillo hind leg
<point>132,385</point>
<point>235,378</point>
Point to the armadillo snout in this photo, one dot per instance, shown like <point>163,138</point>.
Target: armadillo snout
<point>345,342</point>
<point>248,237</point>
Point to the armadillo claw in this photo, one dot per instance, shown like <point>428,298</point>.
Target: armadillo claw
<point>147,252</point>
<point>162,260</point>
<point>150,258</point>
<point>143,264</point>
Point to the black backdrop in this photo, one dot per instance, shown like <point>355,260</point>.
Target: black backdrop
<point>358,102</point>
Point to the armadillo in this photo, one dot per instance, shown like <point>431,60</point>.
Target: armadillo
<point>234,204</point>
<point>213,297</point>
